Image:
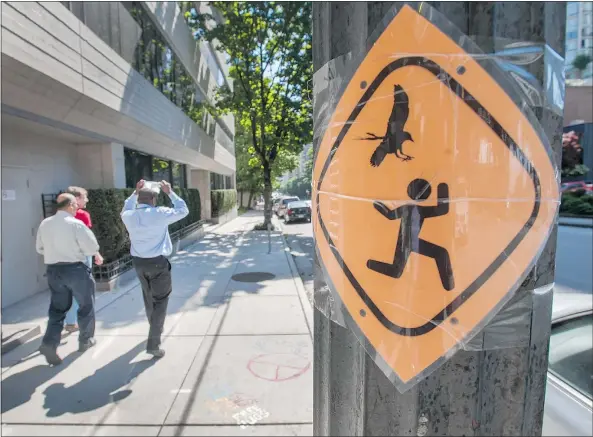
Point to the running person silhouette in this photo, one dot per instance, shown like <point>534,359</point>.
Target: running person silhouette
<point>408,241</point>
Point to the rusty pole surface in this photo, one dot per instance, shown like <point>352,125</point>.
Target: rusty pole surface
<point>483,393</point>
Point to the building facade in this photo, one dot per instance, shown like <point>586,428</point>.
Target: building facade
<point>579,36</point>
<point>101,94</point>
<point>300,168</point>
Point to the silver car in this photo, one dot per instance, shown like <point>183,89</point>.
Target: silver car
<point>283,205</point>
<point>568,408</point>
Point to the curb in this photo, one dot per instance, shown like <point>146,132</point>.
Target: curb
<point>298,282</point>
<point>575,224</point>
<point>20,337</point>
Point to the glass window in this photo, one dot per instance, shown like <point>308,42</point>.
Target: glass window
<point>179,180</point>
<point>572,34</point>
<point>572,8</point>
<point>138,166</point>
<point>571,45</point>
<point>161,170</point>
<point>571,353</point>
<point>217,181</point>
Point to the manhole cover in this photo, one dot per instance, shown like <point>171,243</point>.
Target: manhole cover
<point>253,277</point>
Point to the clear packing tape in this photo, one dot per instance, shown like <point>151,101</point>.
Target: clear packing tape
<point>435,190</point>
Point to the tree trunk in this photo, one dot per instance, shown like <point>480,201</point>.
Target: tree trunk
<point>267,194</point>
<point>250,199</point>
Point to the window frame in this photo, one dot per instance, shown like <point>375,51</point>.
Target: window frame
<point>569,384</point>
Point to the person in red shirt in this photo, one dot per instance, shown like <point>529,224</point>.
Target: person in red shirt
<point>82,199</point>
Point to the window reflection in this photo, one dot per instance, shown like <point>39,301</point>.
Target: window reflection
<point>142,166</point>
<point>128,29</point>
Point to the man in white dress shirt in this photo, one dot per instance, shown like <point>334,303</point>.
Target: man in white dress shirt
<point>65,243</point>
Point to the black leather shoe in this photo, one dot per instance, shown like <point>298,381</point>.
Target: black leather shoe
<point>50,354</point>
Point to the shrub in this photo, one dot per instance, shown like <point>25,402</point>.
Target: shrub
<point>223,201</point>
<point>105,206</point>
<point>577,203</point>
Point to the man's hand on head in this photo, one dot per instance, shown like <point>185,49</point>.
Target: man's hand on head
<point>139,185</point>
<point>166,187</point>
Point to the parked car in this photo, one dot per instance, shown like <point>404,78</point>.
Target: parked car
<point>283,204</point>
<point>297,211</point>
<point>568,409</point>
<point>276,204</point>
<point>567,187</point>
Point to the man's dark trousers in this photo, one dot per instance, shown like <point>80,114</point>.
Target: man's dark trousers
<point>155,277</point>
<point>67,281</point>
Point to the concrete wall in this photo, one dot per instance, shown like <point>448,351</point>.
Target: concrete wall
<point>58,72</point>
<point>32,164</point>
<point>101,165</point>
<point>578,104</point>
<point>200,179</point>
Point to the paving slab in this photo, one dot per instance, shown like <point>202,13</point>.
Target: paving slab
<point>266,430</point>
<point>277,264</point>
<point>126,316</point>
<point>79,430</point>
<point>201,281</point>
<point>232,373</point>
<point>114,383</point>
<point>261,315</point>
<point>274,262</point>
<point>275,287</point>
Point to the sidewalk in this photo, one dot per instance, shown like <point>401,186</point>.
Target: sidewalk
<point>579,222</point>
<point>237,353</point>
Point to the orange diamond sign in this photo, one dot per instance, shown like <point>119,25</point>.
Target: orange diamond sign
<point>434,195</point>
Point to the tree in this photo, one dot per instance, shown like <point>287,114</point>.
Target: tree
<point>581,62</point>
<point>572,156</point>
<point>269,46</point>
<point>302,186</point>
<point>248,180</point>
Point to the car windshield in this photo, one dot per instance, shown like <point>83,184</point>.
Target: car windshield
<point>292,199</point>
<point>571,353</point>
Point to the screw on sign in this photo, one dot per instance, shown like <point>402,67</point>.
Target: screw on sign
<point>434,195</point>
<point>278,367</point>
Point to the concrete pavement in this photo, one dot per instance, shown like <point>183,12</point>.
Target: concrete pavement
<point>239,354</point>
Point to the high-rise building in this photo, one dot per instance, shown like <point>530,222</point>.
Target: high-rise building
<point>579,36</point>
<point>99,95</point>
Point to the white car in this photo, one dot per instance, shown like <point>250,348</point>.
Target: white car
<point>568,409</point>
<point>283,204</point>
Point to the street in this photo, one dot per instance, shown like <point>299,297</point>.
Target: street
<point>300,239</point>
<point>574,256</point>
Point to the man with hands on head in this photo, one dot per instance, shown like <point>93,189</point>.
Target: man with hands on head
<point>148,227</point>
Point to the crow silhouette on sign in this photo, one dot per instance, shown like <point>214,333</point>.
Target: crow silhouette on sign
<point>395,135</point>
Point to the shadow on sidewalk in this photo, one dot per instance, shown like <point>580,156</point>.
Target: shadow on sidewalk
<point>99,389</point>
<point>18,388</point>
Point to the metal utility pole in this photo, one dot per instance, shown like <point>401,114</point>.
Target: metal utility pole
<point>488,392</point>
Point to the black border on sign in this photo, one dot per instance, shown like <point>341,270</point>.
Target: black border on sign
<point>498,130</point>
